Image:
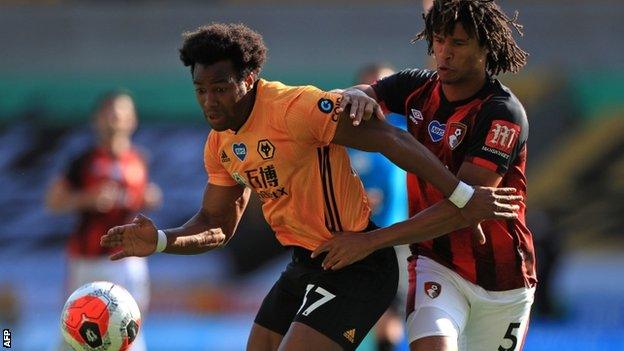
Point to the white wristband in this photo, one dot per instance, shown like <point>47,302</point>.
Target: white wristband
<point>161,245</point>
<point>461,195</point>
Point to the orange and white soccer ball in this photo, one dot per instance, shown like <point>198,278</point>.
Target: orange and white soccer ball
<point>100,316</point>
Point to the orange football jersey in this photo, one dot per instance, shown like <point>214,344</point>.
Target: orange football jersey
<point>283,153</point>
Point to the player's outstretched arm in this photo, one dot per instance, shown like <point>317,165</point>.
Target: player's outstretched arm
<point>406,152</point>
<point>399,147</point>
<point>214,224</point>
<point>443,217</point>
<point>211,227</point>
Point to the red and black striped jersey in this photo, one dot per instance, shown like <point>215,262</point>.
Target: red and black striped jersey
<point>490,130</point>
<point>125,176</point>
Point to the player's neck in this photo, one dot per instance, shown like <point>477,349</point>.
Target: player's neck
<point>116,145</point>
<point>246,105</point>
<point>458,91</point>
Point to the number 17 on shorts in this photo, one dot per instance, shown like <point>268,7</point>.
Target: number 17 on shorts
<point>315,300</point>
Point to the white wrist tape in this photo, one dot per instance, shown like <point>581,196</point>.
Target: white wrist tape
<point>161,245</point>
<point>461,195</point>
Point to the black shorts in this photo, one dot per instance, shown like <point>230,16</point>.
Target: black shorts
<point>343,305</point>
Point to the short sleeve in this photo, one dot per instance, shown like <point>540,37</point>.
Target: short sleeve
<point>311,118</point>
<point>500,133</point>
<point>217,174</point>
<point>393,90</point>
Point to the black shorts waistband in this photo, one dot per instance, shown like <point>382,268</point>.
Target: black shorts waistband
<point>301,254</point>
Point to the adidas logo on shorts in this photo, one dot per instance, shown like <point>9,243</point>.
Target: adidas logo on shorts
<point>349,335</point>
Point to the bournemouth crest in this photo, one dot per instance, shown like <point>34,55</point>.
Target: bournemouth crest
<point>456,133</point>
<point>433,289</point>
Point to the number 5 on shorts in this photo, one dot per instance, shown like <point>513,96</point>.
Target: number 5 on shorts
<point>325,297</point>
<point>510,336</point>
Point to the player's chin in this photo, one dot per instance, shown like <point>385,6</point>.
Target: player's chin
<point>216,126</point>
<point>448,79</point>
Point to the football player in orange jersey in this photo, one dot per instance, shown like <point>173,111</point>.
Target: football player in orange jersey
<point>287,144</point>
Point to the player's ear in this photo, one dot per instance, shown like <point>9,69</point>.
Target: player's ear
<point>250,79</point>
<point>485,52</point>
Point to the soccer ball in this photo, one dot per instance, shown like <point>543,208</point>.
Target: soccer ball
<point>100,316</point>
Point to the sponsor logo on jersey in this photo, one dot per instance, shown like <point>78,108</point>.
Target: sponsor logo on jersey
<point>349,335</point>
<point>415,116</point>
<point>436,131</point>
<point>266,149</point>
<point>325,105</point>
<point>264,181</point>
<point>495,152</point>
<point>457,131</point>
<point>503,136</point>
<point>240,150</point>
<point>224,157</point>
<point>433,289</point>
<point>272,194</point>
<point>334,115</point>
<point>262,177</point>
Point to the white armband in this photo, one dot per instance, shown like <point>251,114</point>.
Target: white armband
<point>161,245</point>
<point>461,195</point>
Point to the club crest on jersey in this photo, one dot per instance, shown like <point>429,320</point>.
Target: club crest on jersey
<point>436,131</point>
<point>224,157</point>
<point>433,289</point>
<point>457,131</point>
<point>415,116</point>
<point>266,149</point>
<point>240,150</point>
<point>325,105</point>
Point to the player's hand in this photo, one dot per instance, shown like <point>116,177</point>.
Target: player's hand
<point>135,239</point>
<point>490,203</point>
<point>363,107</point>
<point>343,249</point>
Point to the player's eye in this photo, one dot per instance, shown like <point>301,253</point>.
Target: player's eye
<point>200,91</point>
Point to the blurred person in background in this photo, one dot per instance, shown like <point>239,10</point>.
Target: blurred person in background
<point>106,186</point>
<point>462,294</point>
<point>9,303</point>
<point>548,239</point>
<point>285,143</point>
<point>388,201</point>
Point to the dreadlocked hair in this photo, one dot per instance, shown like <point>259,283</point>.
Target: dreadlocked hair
<point>485,21</point>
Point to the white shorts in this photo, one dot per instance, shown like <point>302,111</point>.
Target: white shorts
<point>130,272</point>
<point>448,305</point>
